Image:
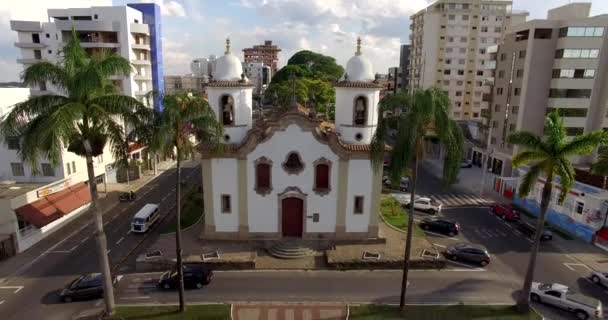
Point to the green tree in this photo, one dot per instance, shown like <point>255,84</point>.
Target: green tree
<point>284,91</point>
<point>84,117</point>
<point>415,117</point>
<point>323,95</point>
<point>321,66</point>
<point>184,116</point>
<point>284,74</point>
<point>549,156</point>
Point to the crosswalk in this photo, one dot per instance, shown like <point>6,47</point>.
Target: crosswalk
<point>460,200</point>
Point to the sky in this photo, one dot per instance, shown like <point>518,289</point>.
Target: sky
<point>198,28</point>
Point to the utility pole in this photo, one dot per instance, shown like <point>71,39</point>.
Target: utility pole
<point>484,159</point>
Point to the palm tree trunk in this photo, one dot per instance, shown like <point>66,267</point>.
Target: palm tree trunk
<point>408,238</point>
<point>100,236</point>
<point>178,232</point>
<point>524,299</point>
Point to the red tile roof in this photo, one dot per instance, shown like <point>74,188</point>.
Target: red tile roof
<point>39,213</point>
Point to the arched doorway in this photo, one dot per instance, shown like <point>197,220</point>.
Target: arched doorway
<point>292,217</point>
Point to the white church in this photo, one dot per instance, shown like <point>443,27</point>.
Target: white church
<point>287,174</point>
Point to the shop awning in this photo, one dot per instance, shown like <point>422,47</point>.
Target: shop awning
<point>52,207</point>
<point>39,213</point>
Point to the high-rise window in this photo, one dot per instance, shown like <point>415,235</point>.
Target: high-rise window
<point>581,32</point>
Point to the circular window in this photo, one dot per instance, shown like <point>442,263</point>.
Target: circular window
<point>358,136</point>
<point>226,138</point>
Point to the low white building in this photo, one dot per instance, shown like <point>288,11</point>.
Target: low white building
<point>287,174</point>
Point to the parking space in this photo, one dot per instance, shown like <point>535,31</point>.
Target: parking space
<point>9,292</point>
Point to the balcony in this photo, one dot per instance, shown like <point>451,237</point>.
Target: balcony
<point>141,62</point>
<point>88,25</point>
<point>29,45</point>
<point>26,26</point>
<point>100,45</point>
<point>30,60</point>
<point>139,28</point>
<point>140,46</point>
<point>142,77</point>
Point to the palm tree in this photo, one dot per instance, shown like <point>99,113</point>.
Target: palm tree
<point>415,117</point>
<point>185,116</point>
<point>85,116</point>
<point>549,156</point>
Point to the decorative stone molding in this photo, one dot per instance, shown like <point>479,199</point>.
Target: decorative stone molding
<point>322,191</point>
<point>263,191</point>
<point>293,163</point>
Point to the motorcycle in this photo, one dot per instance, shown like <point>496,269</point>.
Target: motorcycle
<point>127,197</point>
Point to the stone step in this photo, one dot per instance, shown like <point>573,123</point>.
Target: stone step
<point>288,250</point>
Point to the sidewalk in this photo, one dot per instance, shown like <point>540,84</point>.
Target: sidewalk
<point>15,265</point>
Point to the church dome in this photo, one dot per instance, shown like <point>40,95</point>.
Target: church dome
<point>228,67</point>
<point>359,68</point>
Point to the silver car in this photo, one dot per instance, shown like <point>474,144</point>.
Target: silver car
<point>598,277</point>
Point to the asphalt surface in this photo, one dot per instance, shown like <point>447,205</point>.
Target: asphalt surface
<point>76,254</point>
<point>33,294</point>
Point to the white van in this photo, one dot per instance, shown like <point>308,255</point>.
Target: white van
<point>144,218</point>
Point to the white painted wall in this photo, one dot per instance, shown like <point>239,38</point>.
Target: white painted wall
<point>224,177</point>
<point>360,176</point>
<point>243,110</point>
<point>263,210</point>
<point>345,103</point>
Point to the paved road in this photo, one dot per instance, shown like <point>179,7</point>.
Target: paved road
<point>76,254</point>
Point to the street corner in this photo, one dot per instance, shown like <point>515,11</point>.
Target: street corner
<point>289,311</point>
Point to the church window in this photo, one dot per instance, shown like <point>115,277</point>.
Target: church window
<point>293,164</point>
<point>227,105</point>
<point>360,111</point>
<point>322,174</point>
<point>226,203</point>
<point>263,176</point>
<point>358,205</point>
<point>315,217</point>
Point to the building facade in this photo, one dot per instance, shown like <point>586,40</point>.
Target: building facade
<point>554,64</point>
<point>266,53</point>
<point>448,49</point>
<point>132,31</point>
<point>286,175</point>
<point>403,83</point>
<point>260,76</point>
<point>187,83</point>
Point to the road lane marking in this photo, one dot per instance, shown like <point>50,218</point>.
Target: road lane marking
<point>74,247</point>
<point>98,303</point>
<point>60,251</point>
<point>466,265</point>
<point>440,235</point>
<point>136,298</point>
<point>109,251</point>
<point>1,301</point>
<point>570,266</point>
<point>129,231</point>
<point>439,245</point>
<point>83,240</point>
<point>16,288</point>
<point>120,240</point>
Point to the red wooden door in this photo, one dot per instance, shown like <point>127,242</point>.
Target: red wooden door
<point>292,224</point>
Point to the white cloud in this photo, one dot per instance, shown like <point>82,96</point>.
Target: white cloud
<point>169,8</point>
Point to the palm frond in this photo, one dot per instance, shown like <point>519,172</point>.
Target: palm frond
<point>583,144</point>
<point>110,64</point>
<point>567,175</point>
<point>555,132</point>
<point>42,72</point>
<point>528,140</point>
<point>530,179</point>
<point>529,157</point>
<point>601,166</point>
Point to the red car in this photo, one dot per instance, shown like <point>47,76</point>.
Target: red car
<point>505,211</point>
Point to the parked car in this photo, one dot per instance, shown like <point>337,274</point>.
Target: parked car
<point>195,276</point>
<point>560,296</point>
<point>444,226</point>
<point>505,211</point>
<point>404,184</point>
<point>598,277</point>
<point>529,231</point>
<point>466,163</point>
<point>426,204</point>
<point>468,252</point>
<point>85,287</point>
<point>127,196</point>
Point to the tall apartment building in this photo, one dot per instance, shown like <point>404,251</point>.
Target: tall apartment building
<point>267,53</point>
<point>403,81</point>
<point>448,49</point>
<point>133,31</point>
<point>186,83</point>
<point>559,63</point>
<point>260,75</point>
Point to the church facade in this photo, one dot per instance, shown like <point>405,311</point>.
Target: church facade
<point>288,174</point>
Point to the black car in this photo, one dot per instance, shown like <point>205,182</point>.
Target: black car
<point>529,230</point>
<point>85,287</point>
<point>468,252</point>
<point>444,226</point>
<point>195,276</point>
